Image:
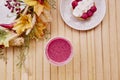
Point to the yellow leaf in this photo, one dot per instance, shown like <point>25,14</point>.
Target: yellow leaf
<point>38,9</point>
<point>31,2</point>
<point>23,23</point>
<point>46,5</point>
<point>39,28</point>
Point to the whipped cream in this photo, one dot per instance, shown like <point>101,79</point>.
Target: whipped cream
<point>83,6</point>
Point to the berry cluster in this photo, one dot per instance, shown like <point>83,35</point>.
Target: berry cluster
<point>87,14</point>
<point>13,6</point>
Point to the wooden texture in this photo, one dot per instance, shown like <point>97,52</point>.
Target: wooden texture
<point>96,52</point>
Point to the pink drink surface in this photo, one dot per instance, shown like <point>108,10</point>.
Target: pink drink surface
<point>59,50</point>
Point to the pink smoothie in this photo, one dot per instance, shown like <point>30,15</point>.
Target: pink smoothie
<point>59,50</point>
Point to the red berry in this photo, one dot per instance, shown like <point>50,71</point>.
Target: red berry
<point>90,13</point>
<point>78,0</point>
<point>93,8</point>
<point>84,16</point>
<point>74,4</point>
<point>41,1</point>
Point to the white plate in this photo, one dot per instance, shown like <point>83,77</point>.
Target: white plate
<point>70,20</point>
<point>6,17</point>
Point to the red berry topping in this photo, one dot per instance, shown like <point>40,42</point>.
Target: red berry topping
<point>90,13</point>
<point>78,0</point>
<point>84,16</point>
<point>74,4</point>
<point>93,8</point>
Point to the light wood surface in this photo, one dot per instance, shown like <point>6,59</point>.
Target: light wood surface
<point>96,52</point>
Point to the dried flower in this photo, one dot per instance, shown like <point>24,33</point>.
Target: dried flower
<point>38,29</point>
<point>23,23</point>
<point>31,23</point>
<point>6,36</point>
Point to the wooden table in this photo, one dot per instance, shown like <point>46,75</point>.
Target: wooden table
<point>96,52</point>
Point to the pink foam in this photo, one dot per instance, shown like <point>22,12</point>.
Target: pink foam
<point>59,50</point>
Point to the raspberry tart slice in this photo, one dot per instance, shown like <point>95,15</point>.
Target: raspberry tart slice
<point>83,9</point>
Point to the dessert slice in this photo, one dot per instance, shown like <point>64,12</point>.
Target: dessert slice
<point>83,9</point>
